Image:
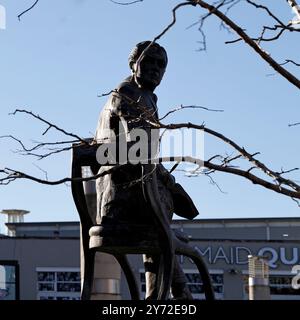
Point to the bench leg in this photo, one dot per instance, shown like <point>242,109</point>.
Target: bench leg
<point>88,275</point>
<point>131,281</point>
<point>191,252</point>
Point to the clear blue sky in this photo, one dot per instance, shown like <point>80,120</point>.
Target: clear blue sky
<point>62,54</point>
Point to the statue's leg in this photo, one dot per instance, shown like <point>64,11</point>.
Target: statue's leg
<point>151,264</point>
<point>179,288</point>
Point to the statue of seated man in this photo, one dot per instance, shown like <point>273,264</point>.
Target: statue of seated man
<point>121,202</point>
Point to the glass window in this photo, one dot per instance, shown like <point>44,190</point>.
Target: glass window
<point>68,287</point>
<point>68,276</point>
<point>46,276</point>
<point>46,298</point>
<point>279,285</point>
<point>195,284</point>
<point>46,286</point>
<point>196,288</point>
<point>9,283</point>
<point>59,285</point>
<point>282,285</point>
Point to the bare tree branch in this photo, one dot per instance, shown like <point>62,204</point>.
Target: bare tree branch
<point>196,172</point>
<point>47,148</point>
<point>287,171</point>
<point>281,26</point>
<point>189,107</point>
<point>297,202</point>
<point>254,45</point>
<point>38,145</point>
<point>280,184</point>
<point>254,179</point>
<point>258,6</point>
<point>295,7</point>
<point>294,124</point>
<point>241,150</point>
<point>125,3</point>
<point>214,183</point>
<point>234,3</point>
<point>50,153</point>
<point>50,125</point>
<point>279,179</point>
<point>202,19</point>
<point>183,4</point>
<point>34,4</point>
<point>44,171</point>
<point>217,163</point>
<point>19,141</point>
<point>12,175</point>
<point>290,61</point>
<point>105,94</point>
<point>225,21</point>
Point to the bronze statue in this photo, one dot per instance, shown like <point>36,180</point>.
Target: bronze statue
<point>122,208</point>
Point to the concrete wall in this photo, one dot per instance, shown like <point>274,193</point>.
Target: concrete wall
<point>33,253</point>
<point>231,257</point>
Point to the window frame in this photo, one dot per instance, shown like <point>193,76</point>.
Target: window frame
<point>200,296</point>
<point>15,264</point>
<point>55,294</point>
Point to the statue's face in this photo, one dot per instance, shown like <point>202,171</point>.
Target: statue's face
<point>150,69</point>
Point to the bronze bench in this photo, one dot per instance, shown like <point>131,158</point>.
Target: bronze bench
<point>163,240</point>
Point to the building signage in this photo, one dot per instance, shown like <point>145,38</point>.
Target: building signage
<point>239,255</point>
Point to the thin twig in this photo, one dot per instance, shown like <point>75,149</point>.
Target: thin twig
<point>35,3</point>
<point>105,94</point>
<point>290,61</point>
<point>254,45</point>
<point>294,124</point>
<point>50,125</point>
<point>214,183</point>
<point>39,145</point>
<point>125,3</point>
<point>12,175</point>
<point>241,150</point>
<point>44,171</point>
<point>190,3</point>
<point>189,107</point>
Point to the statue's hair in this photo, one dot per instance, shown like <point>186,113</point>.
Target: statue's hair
<point>140,47</point>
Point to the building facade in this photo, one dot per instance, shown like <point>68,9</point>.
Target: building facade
<point>42,260</point>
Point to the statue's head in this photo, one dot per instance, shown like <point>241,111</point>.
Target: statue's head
<point>148,66</point>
